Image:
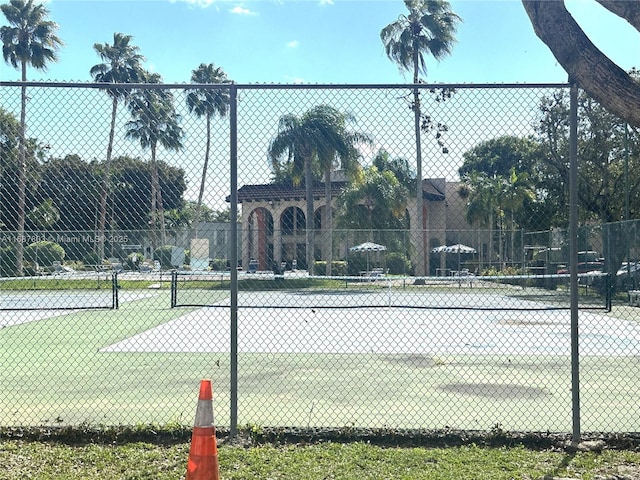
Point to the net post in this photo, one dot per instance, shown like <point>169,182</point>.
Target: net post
<point>174,288</point>
<point>114,290</point>
<point>609,292</point>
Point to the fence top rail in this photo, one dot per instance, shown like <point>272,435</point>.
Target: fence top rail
<point>278,86</point>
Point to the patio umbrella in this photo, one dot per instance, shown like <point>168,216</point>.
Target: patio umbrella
<point>368,247</point>
<point>459,249</point>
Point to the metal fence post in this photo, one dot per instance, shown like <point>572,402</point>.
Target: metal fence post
<point>573,255</point>
<point>233,164</point>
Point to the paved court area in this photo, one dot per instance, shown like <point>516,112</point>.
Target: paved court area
<point>388,331</point>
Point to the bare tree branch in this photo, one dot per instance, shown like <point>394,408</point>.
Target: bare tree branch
<point>605,81</point>
<point>627,9</point>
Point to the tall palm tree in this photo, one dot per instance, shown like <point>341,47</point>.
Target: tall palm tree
<point>428,29</point>
<point>29,39</point>
<point>155,122</point>
<point>206,102</point>
<point>313,141</point>
<point>340,150</point>
<point>121,64</point>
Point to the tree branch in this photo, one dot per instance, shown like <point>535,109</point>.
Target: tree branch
<point>626,9</point>
<point>606,82</point>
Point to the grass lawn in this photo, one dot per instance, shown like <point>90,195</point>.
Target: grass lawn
<point>359,461</point>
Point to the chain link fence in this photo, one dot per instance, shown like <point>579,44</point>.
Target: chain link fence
<point>349,294</point>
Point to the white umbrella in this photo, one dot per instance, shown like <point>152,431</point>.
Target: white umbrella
<point>440,249</point>
<point>459,248</point>
<point>368,247</point>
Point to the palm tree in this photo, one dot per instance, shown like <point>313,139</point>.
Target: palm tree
<point>377,202</point>
<point>482,194</point>
<point>155,122</point>
<point>122,64</point>
<point>338,151</point>
<point>517,189</point>
<point>309,142</point>
<point>430,29</point>
<point>206,102</point>
<point>44,215</point>
<point>29,39</point>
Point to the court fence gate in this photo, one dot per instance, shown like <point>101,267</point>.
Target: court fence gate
<point>284,248</point>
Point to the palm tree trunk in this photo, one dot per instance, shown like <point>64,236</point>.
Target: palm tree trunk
<point>154,195</point>
<point>205,166</point>
<point>421,267</point>
<point>310,223</point>
<point>105,181</point>
<point>513,240</point>
<point>491,232</point>
<point>155,179</point>
<point>328,220</point>
<point>501,261</point>
<point>22,176</point>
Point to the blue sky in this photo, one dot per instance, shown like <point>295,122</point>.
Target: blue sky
<point>315,41</point>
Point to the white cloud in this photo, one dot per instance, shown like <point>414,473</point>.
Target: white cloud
<point>240,10</point>
<point>325,2</point>
<point>293,44</point>
<point>292,79</point>
<point>197,3</point>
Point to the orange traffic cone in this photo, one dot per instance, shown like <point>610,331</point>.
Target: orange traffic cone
<point>203,455</point>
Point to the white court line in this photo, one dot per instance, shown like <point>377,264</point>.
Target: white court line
<point>388,331</point>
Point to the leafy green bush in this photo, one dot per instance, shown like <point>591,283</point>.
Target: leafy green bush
<point>163,255</point>
<point>44,253</point>
<point>133,261</point>
<point>218,264</point>
<point>356,264</point>
<point>91,258</point>
<point>7,261</point>
<point>338,267</point>
<point>398,263</point>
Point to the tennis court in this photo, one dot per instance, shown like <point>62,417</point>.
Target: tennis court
<point>361,365</point>
<point>41,305</point>
<point>336,322</point>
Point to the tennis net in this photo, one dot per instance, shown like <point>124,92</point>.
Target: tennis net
<point>69,291</point>
<point>267,290</point>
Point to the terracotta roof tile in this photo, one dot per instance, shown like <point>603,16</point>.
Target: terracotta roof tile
<point>274,191</point>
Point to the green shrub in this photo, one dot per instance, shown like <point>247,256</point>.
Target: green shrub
<point>398,263</point>
<point>218,264</point>
<point>356,264</point>
<point>338,267</point>
<point>163,255</point>
<point>44,253</point>
<point>133,261</point>
<point>29,269</point>
<point>91,258</point>
<point>7,261</point>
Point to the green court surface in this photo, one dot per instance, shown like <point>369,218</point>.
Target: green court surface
<point>332,368</point>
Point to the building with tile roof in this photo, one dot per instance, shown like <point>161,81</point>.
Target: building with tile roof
<point>273,223</point>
